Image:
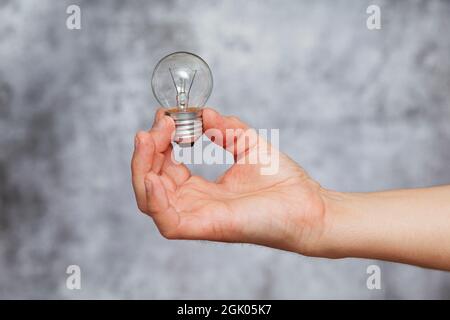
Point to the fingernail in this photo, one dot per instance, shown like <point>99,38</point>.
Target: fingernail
<point>159,125</point>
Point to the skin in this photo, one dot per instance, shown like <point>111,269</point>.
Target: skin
<point>287,210</point>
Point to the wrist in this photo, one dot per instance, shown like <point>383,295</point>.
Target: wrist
<point>341,232</point>
<point>358,226</point>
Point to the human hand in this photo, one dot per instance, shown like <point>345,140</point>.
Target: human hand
<point>285,210</point>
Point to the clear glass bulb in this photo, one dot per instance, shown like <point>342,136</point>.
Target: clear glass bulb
<point>182,83</point>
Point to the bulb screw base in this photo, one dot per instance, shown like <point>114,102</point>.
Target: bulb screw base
<point>188,126</point>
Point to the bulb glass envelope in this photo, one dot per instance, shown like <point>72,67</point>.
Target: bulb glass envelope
<point>182,80</point>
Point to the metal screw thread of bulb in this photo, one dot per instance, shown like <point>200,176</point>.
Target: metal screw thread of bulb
<point>188,125</point>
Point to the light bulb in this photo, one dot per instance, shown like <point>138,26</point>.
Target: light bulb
<point>182,83</point>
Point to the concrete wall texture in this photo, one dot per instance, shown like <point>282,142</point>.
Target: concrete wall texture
<point>360,110</point>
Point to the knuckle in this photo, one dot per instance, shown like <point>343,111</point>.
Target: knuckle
<point>169,234</point>
<point>141,136</point>
<point>142,208</point>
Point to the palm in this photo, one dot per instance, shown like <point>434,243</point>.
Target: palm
<point>245,206</point>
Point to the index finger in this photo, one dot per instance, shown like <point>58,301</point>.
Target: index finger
<point>150,147</point>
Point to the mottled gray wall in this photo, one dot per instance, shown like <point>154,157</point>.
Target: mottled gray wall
<point>360,110</point>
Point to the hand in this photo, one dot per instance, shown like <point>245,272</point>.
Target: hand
<point>285,210</point>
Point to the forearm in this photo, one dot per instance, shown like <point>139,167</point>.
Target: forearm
<point>409,226</point>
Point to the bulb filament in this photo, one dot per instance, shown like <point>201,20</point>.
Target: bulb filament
<point>182,95</point>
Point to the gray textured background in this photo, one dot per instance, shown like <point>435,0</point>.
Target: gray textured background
<point>360,110</point>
